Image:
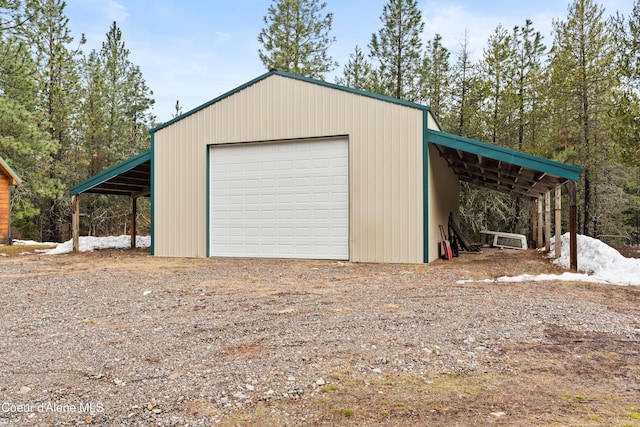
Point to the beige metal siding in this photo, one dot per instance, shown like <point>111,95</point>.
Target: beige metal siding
<point>385,162</point>
<point>444,191</point>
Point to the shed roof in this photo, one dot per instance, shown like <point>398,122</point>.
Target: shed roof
<point>131,177</point>
<point>14,179</point>
<point>499,168</point>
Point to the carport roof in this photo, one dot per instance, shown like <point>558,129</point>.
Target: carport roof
<point>499,168</point>
<point>131,177</point>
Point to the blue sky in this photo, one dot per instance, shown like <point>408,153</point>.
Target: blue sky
<point>194,50</point>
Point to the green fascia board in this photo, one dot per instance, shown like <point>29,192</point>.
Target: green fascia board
<point>107,174</point>
<point>4,165</point>
<point>495,152</point>
<point>296,77</point>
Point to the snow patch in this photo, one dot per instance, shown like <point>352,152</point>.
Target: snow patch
<point>90,243</point>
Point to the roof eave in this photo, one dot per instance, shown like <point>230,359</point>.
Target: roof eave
<point>551,167</point>
<point>107,174</point>
<point>14,178</point>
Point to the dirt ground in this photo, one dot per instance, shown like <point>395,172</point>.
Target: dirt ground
<point>472,353</point>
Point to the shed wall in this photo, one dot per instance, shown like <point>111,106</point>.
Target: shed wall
<point>385,163</point>
<point>444,190</point>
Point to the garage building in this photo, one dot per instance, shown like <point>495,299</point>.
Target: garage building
<point>290,167</point>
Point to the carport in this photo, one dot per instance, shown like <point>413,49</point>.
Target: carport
<point>130,178</point>
<point>517,174</point>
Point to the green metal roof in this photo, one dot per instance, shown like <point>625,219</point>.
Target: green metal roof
<point>10,172</point>
<point>499,168</point>
<point>295,77</point>
<point>133,176</point>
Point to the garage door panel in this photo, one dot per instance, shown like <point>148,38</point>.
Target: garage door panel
<point>285,199</point>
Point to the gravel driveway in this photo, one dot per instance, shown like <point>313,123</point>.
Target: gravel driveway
<point>121,338</point>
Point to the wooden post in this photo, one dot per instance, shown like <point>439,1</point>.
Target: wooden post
<point>534,223</point>
<point>75,221</point>
<point>132,220</point>
<point>573,227</point>
<point>558,215</point>
<point>547,222</point>
<point>540,222</point>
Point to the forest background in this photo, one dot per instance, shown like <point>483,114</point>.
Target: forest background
<point>67,114</point>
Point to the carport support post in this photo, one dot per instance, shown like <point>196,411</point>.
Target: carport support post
<point>547,221</point>
<point>75,221</point>
<point>534,223</point>
<point>573,227</point>
<point>132,220</point>
<point>540,238</point>
<point>558,216</point>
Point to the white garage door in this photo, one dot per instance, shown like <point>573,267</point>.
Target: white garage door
<point>285,199</point>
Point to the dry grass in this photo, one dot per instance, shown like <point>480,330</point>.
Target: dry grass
<point>13,250</point>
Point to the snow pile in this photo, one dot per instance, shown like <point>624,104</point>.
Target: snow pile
<point>89,243</point>
<point>600,260</point>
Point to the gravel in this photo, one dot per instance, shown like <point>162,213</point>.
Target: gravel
<point>117,339</point>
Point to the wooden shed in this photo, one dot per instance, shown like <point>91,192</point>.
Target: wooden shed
<point>8,180</point>
<point>286,166</point>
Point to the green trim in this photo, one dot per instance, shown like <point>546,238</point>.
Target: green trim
<point>113,171</point>
<point>5,166</point>
<point>295,77</point>
<point>504,154</point>
<point>425,186</point>
<point>152,185</point>
<point>208,200</point>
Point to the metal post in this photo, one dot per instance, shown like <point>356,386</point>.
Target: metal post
<point>558,215</point>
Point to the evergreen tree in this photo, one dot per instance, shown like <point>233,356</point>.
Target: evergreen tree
<point>357,73</point>
<point>583,81</point>
<point>397,49</point>
<point>498,71</point>
<point>528,51</point>
<point>626,113</point>
<point>436,76</point>
<point>296,38</point>
<point>115,115</point>
<point>467,94</point>
<point>529,85</point>
<point>58,90</point>
<point>23,143</point>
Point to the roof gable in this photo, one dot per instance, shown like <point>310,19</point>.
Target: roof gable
<point>295,77</point>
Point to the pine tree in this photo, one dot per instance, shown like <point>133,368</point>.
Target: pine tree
<point>498,72</point>
<point>626,113</point>
<point>296,38</point>
<point>357,73</point>
<point>436,76</point>
<point>128,100</point>
<point>583,81</point>
<point>529,84</point>
<point>397,49</point>
<point>115,115</point>
<point>50,41</point>
<point>467,94</point>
